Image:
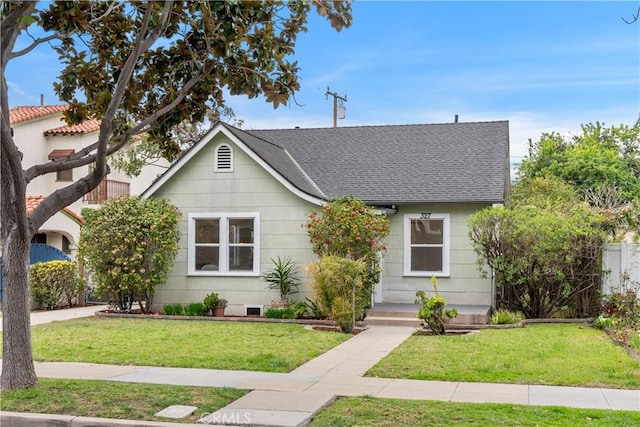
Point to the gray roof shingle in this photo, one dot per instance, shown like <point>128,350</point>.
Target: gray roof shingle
<point>452,162</point>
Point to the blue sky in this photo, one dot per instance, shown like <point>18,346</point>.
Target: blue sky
<point>544,66</point>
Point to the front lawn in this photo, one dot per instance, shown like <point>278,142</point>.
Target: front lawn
<point>183,344</point>
<point>371,412</point>
<point>140,402</point>
<point>106,399</point>
<point>551,354</point>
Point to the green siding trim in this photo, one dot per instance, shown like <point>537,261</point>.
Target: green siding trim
<point>197,188</point>
<point>464,285</point>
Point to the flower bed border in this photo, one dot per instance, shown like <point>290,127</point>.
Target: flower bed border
<point>326,324</point>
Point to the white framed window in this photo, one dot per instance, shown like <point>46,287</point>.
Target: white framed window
<point>64,175</point>
<point>223,244</point>
<point>426,244</point>
<point>224,158</point>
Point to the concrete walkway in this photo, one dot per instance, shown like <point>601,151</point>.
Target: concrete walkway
<point>40,317</point>
<point>293,399</point>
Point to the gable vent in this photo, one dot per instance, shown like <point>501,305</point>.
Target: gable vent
<point>224,159</point>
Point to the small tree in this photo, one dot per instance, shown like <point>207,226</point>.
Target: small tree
<point>129,245</point>
<point>433,312</point>
<point>348,228</point>
<point>598,157</point>
<point>546,251</point>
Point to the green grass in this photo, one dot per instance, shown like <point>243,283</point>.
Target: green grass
<point>371,412</point>
<point>106,399</point>
<point>188,344</point>
<point>553,354</point>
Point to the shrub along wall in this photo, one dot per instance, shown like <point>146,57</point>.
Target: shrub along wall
<point>55,284</point>
<point>545,249</point>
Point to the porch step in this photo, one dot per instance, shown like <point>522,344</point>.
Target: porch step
<point>390,314</point>
<point>392,321</point>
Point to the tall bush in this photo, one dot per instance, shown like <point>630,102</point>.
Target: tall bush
<point>55,284</point>
<point>129,245</point>
<point>338,288</point>
<point>546,253</point>
<point>348,228</point>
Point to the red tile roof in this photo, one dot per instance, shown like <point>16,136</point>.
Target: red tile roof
<point>34,201</point>
<point>88,126</point>
<point>22,114</point>
<point>25,113</point>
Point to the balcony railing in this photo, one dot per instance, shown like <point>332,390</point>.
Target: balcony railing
<point>107,189</point>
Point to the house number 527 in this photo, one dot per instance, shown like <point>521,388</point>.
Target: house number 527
<point>425,215</point>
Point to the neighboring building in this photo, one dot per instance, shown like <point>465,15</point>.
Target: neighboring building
<point>244,196</point>
<point>41,134</point>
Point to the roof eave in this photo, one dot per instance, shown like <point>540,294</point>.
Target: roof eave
<point>221,128</point>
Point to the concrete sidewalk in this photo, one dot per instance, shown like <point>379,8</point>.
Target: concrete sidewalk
<point>293,399</point>
<point>40,317</point>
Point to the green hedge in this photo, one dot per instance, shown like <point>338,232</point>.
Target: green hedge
<point>55,284</point>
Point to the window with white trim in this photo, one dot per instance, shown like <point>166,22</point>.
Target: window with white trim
<point>224,244</point>
<point>426,244</point>
<point>63,175</point>
<point>224,158</point>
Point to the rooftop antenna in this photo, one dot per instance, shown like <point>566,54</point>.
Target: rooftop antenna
<point>338,106</point>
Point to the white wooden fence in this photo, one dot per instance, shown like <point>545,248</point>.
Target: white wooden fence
<point>621,267</point>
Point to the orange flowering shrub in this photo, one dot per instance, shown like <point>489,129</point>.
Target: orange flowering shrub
<point>348,228</point>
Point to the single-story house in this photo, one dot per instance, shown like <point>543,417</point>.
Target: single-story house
<point>244,195</point>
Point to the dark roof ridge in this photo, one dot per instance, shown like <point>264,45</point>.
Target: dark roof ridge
<point>289,155</point>
<point>373,126</point>
<point>255,136</point>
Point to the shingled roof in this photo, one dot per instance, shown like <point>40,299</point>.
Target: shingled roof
<point>279,159</point>
<point>381,165</point>
<point>452,162</point>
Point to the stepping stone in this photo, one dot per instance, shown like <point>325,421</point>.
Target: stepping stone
<point>177,411</point>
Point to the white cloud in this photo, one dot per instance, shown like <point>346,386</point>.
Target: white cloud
<point>16,90</point>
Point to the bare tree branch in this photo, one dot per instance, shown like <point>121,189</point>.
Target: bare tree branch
<point>60,36</point>
<point>10,28</point>
<point>142,43</point>
<point>634,16</point>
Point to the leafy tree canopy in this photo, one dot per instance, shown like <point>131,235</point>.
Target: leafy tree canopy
<point>347,228</point>
<point>545,249</point>
<point>598,158</point>
<point>141,67</point>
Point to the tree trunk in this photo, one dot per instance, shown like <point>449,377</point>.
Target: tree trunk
<point>17,359</point>
<point>15,232</point>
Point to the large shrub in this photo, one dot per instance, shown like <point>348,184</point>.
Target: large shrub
<point>129,245</point>
<point>339,289</point>
<point>55,284</point>
<point>348,228</point>
<point>546,251</point>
